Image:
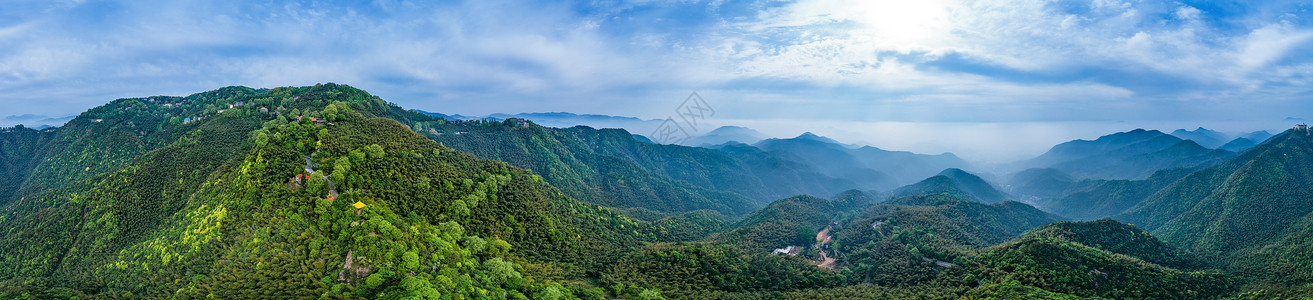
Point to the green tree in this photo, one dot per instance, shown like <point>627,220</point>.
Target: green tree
<point>806,235</point>
<point>500,270</point>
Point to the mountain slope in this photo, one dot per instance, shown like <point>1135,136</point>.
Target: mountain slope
<point>778,225</point>
<point>1252,211</point>
<point>610,167</point>
<point>1238,145</point>
<point>829,157</point>
<point>229,210</point>
<point>1207,138</point>
<point>19,155</point>
<point>1244,202</point>
<point>1063,266</point>
<point>568,161</point>
<point>1120,238</point>
<point>1134,154</point>
<point>954,181</point>
<point>725,134</point>
<point>1040,183</point>
<point>869,167</point>
<point>1093,199</point>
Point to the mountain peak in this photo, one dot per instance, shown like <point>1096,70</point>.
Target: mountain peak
<point>813,137</point>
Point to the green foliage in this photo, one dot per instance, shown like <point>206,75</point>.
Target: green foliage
<point>685,269</point>
<point>1067,267</point>
<point>1120,238</point>
<point>778,224</point>
<point>214,211</point>
<point>806,235</point>
<point>954,181</point>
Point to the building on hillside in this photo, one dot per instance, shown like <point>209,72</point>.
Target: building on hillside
<point>518,122</point>
<point>1301,127</point>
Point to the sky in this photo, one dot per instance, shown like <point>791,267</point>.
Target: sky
<point>988,80</point>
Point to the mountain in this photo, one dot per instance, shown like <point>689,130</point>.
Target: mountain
<point>1255,203</point>
<point>104,138</point>
<point>1134,154</point>
<point>726,134</point>
<point>828,157</point>
<point>1245,141</point>
<point>954,181</point>
<point>778,224</point>
<point>612,168</point>
<point>19,155</point>
<point>569,159</point>
<point>566,120</point>
<point>869,167</point>
<point>259,200</point>
<point>1093,199</point>
<point>1238,145</point>
<point>39,122</point>
<point>1207,138</point>
<point>955,223</point>
<point>740,261</point>
<point>1257,136</point>
<point>1040,183</point>
<point>915,239</point>
<point>1121,238</point>
<point>1103,259</point>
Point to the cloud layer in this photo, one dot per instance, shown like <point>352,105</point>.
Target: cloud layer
<point>809,60</point>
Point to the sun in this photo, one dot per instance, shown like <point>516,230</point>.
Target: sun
<point>903,25</point>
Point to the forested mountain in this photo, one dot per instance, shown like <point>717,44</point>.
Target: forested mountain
<point>869,167</point>
<point>1121,238</point>
<point>329,192</point>
<point>1134,154</point>
<point>955,181</point>
<point>20,150</point>
<point>1103,259</point>
<point>227,209</point>
<point>940,226</point>
<point>610,167</point>
<point>1093,199</point>
<point>1251,209</point>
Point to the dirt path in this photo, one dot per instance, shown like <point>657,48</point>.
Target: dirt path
<point>822,238</point>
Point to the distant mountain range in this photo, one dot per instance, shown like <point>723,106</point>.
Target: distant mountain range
<point>872,167</point>
<point>37,122</point>
<point>567,120</point>
<point>726,134</point>
<point>1217,140</point>
<point>1126,155</point>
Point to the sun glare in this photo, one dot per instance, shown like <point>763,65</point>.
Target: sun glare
<point>903,25</point>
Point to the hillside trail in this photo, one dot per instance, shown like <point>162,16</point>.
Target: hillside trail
<point>309,168</point>
<point>822,238</point>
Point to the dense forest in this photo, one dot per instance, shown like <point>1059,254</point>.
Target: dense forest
<point>327,191</point>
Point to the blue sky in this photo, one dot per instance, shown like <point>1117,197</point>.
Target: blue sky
<point>829,64</point>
